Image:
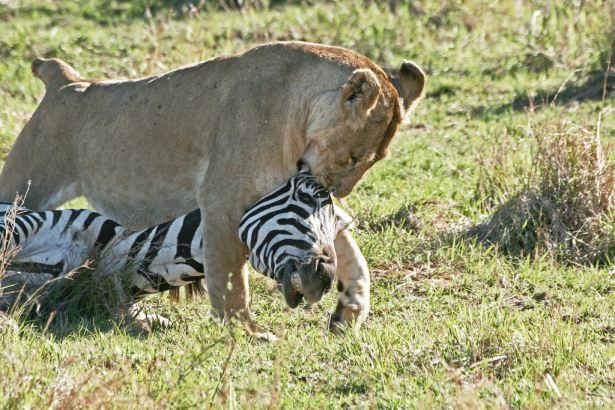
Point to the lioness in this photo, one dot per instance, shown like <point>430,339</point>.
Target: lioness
<point>218,135</point>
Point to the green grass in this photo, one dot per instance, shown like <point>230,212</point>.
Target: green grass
<point>453,324</point>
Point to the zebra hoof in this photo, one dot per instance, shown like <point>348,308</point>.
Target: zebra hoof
<point>264,336</point>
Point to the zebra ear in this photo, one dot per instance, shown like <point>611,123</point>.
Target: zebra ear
<point>343,221</point>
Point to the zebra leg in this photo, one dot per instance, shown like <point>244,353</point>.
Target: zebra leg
<point>144,321</point>
<point>353,281</point>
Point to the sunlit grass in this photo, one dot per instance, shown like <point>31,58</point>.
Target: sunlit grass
<point>453,323</point>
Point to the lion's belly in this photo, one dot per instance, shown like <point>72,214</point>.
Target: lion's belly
<point>141,190</point>
<point>140,213</point>
<point>143,152</point>
<point>144,190</point>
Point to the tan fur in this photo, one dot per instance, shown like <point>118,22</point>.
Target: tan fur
<point>353,284</point>
<point>54,73</point>
<point>410,81</point>
<point>218,135</point>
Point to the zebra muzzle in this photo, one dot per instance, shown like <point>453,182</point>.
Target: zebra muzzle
<point>291,294</point>
<point>308,280</point>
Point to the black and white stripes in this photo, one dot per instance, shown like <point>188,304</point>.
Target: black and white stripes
<point>293,223</point>
<point>57,242</point>
<point>160,258</point>
<point>53,242</point>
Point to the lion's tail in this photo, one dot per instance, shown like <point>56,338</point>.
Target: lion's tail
<point>54,72</point>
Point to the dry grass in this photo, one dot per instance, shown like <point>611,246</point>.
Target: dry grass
<point>15,289</point>
<point>566,204</point>
<point>41,297</point>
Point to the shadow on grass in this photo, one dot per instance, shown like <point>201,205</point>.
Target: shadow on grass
<point>595,87</point>
<point>69,304</point>
<point>565,207</point>
<point>531,224</point>
<point>567,222</point>
<point>403,218</point>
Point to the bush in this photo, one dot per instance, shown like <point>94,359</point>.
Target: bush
<point>566,205</point>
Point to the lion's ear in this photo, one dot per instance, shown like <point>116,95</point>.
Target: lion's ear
<point>409,80</point>
<point>359,95</point>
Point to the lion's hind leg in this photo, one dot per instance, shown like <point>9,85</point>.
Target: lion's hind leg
<point>42,165</point>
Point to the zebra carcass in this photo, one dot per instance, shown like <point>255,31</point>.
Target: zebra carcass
<point>282,232</point>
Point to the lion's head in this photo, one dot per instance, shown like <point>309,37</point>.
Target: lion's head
<point>350,128</point>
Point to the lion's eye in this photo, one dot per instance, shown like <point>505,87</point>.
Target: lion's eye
<point>353,160</point>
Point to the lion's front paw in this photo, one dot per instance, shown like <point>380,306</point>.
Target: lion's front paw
<point>352,307</point>
<point>347,316</point>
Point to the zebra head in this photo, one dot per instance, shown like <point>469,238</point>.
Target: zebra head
<point>290,233</point>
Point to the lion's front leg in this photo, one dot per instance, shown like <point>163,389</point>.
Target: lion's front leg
<point>224,257</point>
<point>353,284</point>
<point>223,260</point>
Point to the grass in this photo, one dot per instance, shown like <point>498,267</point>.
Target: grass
<point>566,205</point>
<point>454,323</point>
